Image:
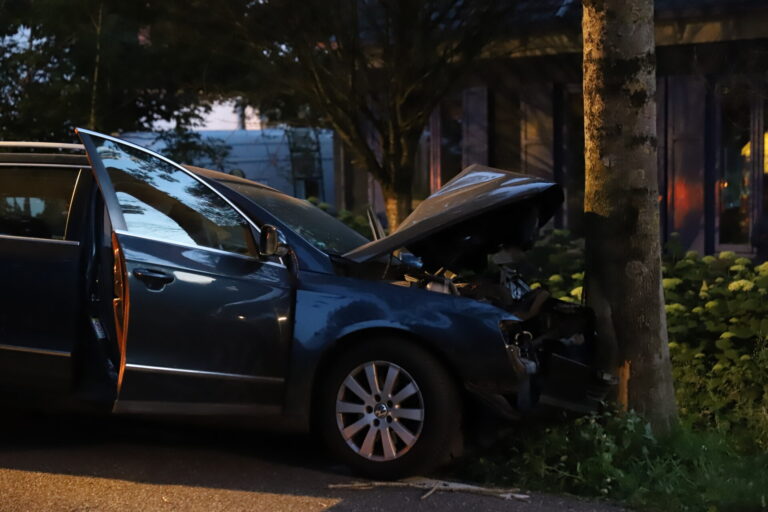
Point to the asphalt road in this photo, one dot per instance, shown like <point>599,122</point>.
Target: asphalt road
<point>79,464</point>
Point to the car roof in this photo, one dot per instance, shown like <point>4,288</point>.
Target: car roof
<point>73,155</point>
<point>38,145</point>
<point>41,153</point>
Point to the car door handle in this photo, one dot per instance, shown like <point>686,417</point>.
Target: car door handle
<point>154,279</point>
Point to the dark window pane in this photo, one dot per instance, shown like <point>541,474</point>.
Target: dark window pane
<point>735,166</point>
<point>451,142</point>
<point>161,201</point>
<point>420,184</point>
<point>764,170</point>
<point>574,162</point>
<point>34,202</point>
<point>505,136</point>
<point>312,189</point>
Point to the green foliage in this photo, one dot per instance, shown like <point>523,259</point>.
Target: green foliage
<point>558,263</point>
<point>615,455</point>
<point>108,65</point>
<point>717,313</point>
<point>717,460</point>
<point>717,319</point>
<point>373,71</point>
<point>182,145</point>
<point>357,222</point>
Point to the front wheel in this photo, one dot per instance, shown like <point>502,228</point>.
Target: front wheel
<point>388,409</point>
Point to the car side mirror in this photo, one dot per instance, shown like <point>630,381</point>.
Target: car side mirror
<point>269,242</point>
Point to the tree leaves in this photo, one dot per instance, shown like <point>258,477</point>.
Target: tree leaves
<point>53,51</point>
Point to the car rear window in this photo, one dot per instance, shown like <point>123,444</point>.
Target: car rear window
<point>35,201</point>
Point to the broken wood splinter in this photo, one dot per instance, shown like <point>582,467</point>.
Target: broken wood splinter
<point>433,486</point>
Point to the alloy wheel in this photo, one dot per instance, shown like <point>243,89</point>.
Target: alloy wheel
<point>379,411</point>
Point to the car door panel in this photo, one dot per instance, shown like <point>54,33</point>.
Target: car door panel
<point>208,323</point>
<point>39,314</point>
<point>39,282</point>
<point>229,323</point>
<point>40,292</point>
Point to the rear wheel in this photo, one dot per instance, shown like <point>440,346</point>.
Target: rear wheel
<point>388,409</point>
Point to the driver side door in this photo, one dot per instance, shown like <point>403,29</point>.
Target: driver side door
<point>203,322</point>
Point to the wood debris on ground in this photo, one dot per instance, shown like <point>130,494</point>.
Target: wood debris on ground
<point>432,486</point>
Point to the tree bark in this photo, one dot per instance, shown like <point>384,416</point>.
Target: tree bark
<point>397,206</point>
<point>96,65</point>
<point>623,281</point>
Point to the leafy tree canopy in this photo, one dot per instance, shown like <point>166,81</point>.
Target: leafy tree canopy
<point>105,64</point>
<point>373,70</point>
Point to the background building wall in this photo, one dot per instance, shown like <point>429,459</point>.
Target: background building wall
<point>263,156</point>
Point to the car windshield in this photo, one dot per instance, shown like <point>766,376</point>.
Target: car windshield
<point>325,232</point>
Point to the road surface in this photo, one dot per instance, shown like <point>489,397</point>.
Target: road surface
<point>86,464</point>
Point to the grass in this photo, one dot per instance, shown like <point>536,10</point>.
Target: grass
<point>614,455</point>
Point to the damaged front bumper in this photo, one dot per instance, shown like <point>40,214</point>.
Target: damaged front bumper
<point>551,356</point>
<point>576,389</point>
<point>569,386</point>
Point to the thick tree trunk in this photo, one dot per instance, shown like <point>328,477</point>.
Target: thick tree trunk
<point>623,282</point>
<point>397,206</point>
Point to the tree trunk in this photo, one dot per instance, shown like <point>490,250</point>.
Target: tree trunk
<point>623,281</point>
<point>397,206</point>
<point>96,65</point>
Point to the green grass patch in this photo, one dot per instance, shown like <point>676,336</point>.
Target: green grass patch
<point>615,456</point>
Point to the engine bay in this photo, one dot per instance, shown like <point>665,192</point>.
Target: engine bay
<point>551,347</point>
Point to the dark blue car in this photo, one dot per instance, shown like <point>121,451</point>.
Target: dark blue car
<point>136,285</point>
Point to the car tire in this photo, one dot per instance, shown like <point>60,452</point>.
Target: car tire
<point>409,425</point>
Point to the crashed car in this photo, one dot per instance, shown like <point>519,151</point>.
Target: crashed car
<point>137,285</point>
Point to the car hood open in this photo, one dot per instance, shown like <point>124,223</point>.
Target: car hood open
<point>472,215</point>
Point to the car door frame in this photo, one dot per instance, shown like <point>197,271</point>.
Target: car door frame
<point>119,227</point>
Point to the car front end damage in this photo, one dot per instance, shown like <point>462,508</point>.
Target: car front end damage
<point>553,355</point>
<point>469,240</point>
<point>550,345</point>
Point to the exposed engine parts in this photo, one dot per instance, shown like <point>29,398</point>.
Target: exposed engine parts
<point>551,344</point>
<point>440,282</point>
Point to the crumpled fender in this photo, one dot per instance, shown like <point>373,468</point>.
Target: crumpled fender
<point>463,332</point>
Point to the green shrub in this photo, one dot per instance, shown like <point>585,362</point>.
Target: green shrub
<point>615,455</point>
<point>717,317</point>
<point>557,261</point>
<point>357,222</point>
<point>717,320</point>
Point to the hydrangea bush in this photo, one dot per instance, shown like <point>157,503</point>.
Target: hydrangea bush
<point>717,319</point>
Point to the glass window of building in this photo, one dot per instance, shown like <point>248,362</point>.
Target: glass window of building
<point>735,181</point>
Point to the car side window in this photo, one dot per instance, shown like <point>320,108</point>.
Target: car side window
<point>163,202</point>
<point>35,201</point>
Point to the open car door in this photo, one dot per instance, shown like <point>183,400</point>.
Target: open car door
<point>202,322</point>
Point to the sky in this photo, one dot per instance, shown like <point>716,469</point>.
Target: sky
<point>222,117</point>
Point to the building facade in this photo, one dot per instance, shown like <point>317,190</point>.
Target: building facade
<point>296,161</point>
<point>523,111</point>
